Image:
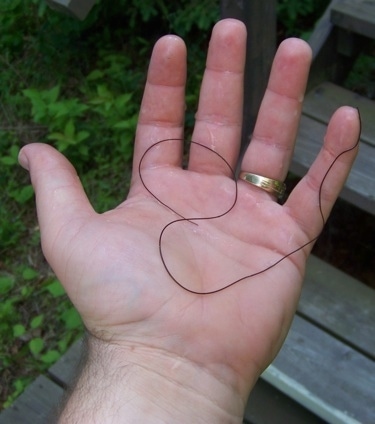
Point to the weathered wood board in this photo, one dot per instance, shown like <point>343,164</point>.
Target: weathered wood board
<point>328,377</point>
<point>341,305</point>
<point>322,101</point>
<point>356,16</point>
<point>37,405</point>
<point>267,405</point>
<point>65,370</point>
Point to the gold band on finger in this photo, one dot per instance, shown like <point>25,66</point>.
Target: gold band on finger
<point>275,187</point>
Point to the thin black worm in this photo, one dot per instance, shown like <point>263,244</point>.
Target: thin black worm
<point>192,220</point>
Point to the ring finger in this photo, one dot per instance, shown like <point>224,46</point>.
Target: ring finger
<point>272,143</point>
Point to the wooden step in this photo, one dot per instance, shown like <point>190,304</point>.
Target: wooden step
<point>325,99</point>
<point>356,16</point>
<point>36,405</point>
<point>339,304</point>
<point>325,375</point>
<point>327,362</point>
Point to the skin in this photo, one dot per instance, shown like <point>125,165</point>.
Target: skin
<point>156,351</point>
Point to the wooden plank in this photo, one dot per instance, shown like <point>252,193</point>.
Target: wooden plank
<point>322,30</point>
<point>321,102</point>
<point>359,188</point>
<point>65,370</point>
<point>268,405</point>
<point>339,304</point>
<point>356,16</point>
<point>259,16</point>
<point>326,376</point>
<point>37,404</point>
<point>333,53</point>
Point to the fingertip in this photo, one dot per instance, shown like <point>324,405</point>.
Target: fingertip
<point>41,157</point>
<point>169,44</point>
<point>59,193</point>
<point>344,129</point>
<point>168,62</point>
<point>353,118</point>
<point>351,115</point>
<point>296,47</point>
<point>230,23</point>
<point>290,69</point>
<point>295,55</point>
<point>227,46</point>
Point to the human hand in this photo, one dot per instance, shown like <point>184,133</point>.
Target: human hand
<point>183,347</point>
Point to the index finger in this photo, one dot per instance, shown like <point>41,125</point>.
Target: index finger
<point>162,110</point>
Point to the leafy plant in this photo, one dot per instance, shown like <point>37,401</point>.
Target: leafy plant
<point>30,333</point>
<point>362,76</point>
<point>299,17</point>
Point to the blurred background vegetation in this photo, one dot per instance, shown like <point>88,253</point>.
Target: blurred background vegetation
<point>78,85</point>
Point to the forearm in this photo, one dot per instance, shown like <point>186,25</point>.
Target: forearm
<point>137,384</point>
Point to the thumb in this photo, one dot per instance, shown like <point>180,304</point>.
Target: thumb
<point>61,202</point>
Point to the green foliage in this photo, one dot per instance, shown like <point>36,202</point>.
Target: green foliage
<point>32,335</point>
<point>6,284</point>
<point>17,387</point>
<point>181,18</point>
<point>298,17</point>
<point>361,78</point>
<point>55,288</point>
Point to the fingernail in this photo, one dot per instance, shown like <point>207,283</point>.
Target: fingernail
<point>23,160</point>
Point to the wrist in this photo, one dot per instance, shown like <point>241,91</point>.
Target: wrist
<point>121,384</point>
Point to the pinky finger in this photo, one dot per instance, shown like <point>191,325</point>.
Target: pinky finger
<point>311,202</point>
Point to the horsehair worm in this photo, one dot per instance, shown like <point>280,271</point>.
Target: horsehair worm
<point>193,220</point>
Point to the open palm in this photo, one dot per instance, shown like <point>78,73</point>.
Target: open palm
<point>127,287</point>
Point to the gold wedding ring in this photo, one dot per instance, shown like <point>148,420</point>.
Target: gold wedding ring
<point>275,187</point>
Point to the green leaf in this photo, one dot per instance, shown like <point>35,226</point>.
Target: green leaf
<point>82,135</point>
<point>67,108</point>
<point>125,125</point>
<point>94,75</point>
<point>8,160</point>
<point>104,92</point>
<point>29,273</point>
<point>52,95</point>
<point>72,319</point>
<point>58,136</point>
<point>36,346</point>
<point>50,357</point>
<point>27,291</point>
<point>19,386</point>
<point>18,330</point>
<point>122,100</point>
<point>39,108</point>
<point>63,345</point>
<point>37,321</point>
<point>32,94</point>
<point>6,284</point>
<point>55,288</point>
<point>70,129</point>
<point>24,194</point>
<point>7,311</point>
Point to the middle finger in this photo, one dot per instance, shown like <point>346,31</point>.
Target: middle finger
<point>219,116</point>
